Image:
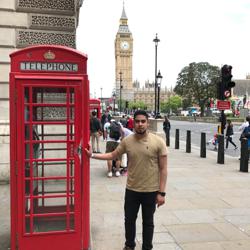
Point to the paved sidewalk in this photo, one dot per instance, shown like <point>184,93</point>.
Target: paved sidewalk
<point>208,206</point>
<point>4,217</point>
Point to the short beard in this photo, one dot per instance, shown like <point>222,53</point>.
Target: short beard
<point>141,133</point>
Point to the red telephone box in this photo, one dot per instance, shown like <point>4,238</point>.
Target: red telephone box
<point>49,126</point>
<point>95,105</point>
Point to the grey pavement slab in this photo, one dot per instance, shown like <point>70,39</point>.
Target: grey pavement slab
<point>208,206</point>
<point>4,217</point>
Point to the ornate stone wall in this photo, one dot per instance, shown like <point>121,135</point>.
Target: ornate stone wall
<point>30,37</point>
<point>48,29</point>
<point>52,22</point>
<point>24,23</point>
<point>46,5</point>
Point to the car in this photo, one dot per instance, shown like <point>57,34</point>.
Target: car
<point>215,111</point>
<point>184,112</point>
<point>195,112</point>
<point>228,112</point>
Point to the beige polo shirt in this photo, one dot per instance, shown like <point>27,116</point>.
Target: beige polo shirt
<point>143,161</point>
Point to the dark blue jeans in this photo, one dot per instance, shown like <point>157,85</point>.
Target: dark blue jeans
<point>133,200</point>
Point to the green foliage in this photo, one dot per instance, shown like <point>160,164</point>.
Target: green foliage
<point>137,105</point>
<point>173,103</point>
<point>122,102</point>
<point>196,83</point>
<point>186,103</point>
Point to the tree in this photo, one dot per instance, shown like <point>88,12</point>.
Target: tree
<point>137,105</point>
<point>197,83</point>
<point>173,103</point>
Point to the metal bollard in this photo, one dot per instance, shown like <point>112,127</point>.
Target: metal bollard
<point>218,129</point>
<point>188,142</point>
<point>177,139</point>
<point>167,138</point>
<point>220,156</point>
<point>203,145</point>
<point>244,155</point>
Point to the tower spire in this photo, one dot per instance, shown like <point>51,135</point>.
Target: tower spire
<point>124,16</point>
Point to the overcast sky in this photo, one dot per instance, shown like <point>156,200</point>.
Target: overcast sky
<point>213,31</point>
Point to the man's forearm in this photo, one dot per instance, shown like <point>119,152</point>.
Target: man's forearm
<point>163,174</point>
<point>163,180</point>
<point>106,156</point>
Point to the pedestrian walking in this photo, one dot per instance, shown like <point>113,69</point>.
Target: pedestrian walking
<point>146,181</point>
<point>214,141</point>
<point>95,132</point>
<point>123,121</point>
<point>229,134</point>
<point>113,132</point>
<point>246,134</point>
<point>244,124</point>
<point>166,128</point>
<point>130,123</point>
<point>105,118</point>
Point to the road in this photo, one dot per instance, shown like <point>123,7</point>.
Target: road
<point>210,129</point>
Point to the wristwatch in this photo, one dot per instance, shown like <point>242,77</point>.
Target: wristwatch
<point>163,194</point>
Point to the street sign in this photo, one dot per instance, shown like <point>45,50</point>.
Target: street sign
<point>227,93</point>
<point>223,105</point>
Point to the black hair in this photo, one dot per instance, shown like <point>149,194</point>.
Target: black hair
<point>93,113</point>
<point>140,112</point>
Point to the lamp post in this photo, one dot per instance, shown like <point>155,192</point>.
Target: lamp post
<point>114,96</point>
<point>101,100</point>
<point>158,81</point>
<point>156,40</point>
<point>120,91</point>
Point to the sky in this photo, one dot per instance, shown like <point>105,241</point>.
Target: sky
<point>213,31</point>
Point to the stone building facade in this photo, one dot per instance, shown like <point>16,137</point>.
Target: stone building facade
<point>24,23</point>
<point>147,96</point>
<point>242,86</point>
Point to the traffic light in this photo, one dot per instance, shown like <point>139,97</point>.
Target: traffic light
<point>226,80</point>
<point>126,104</point>
<point>220,90</point>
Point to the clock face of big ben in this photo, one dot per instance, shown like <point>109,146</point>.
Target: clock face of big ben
<point>124,45</point>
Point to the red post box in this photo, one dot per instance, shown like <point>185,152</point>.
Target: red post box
<point>49,126</point>
<point>95,105</point>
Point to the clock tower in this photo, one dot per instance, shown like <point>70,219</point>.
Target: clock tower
<point>123,60</point>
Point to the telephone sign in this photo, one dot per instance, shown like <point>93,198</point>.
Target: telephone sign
<point>48,66</point>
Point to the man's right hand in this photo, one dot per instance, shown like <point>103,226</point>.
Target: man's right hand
<point>88,150</point>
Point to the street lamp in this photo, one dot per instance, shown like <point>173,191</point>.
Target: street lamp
<point>120,91</point>
<point>158,81</point>
<point>101,100</point>
<point>114,96</point>
<point>156,40</point>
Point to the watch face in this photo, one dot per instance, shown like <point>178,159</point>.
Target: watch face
<point>124,45</point>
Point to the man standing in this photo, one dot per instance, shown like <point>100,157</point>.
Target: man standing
<point>166,128</point>
<point>95,128</point>
<point>147,176</point>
